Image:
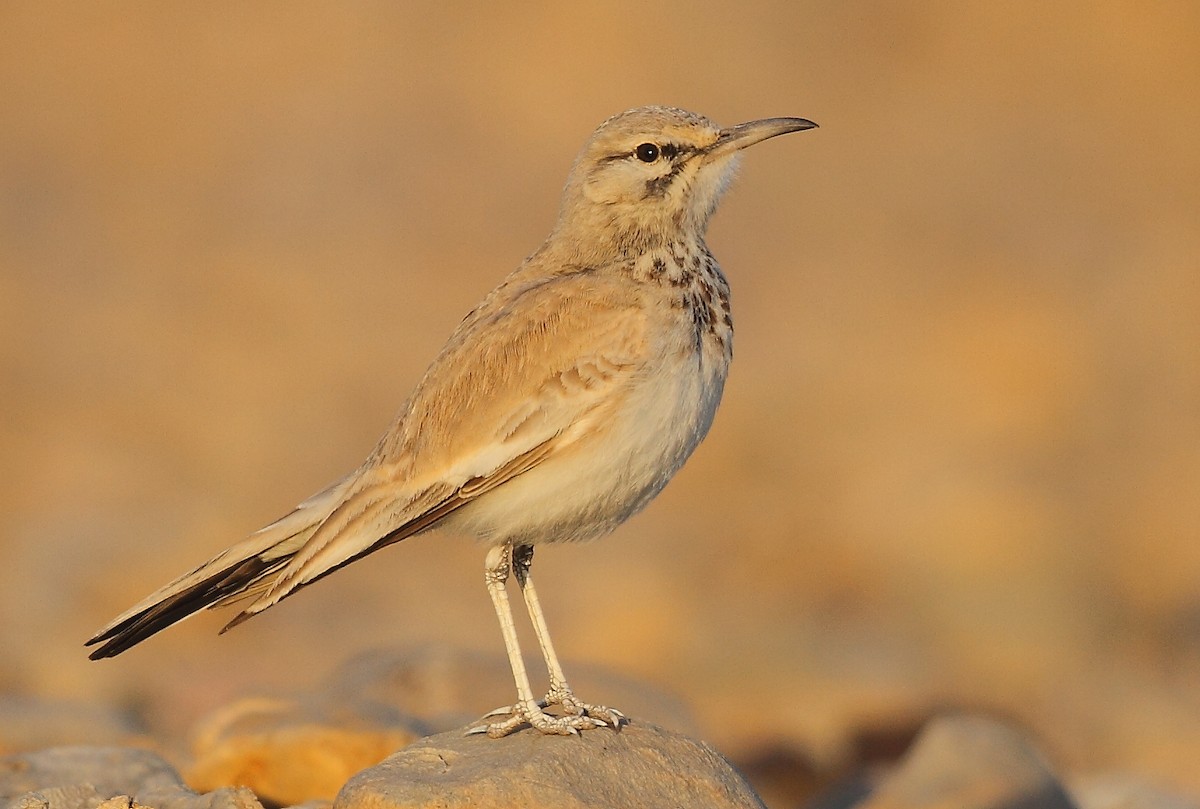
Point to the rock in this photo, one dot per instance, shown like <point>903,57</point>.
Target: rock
<point>1116,791</point>
<point>80,796</point>
<point>108,777</point>
<point>970,761</point>
<point>291,751</point>
<point>641,765</point>
<point>782,774</point>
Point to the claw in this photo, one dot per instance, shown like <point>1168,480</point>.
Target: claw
<point>610,717</point>
<point>601,716</point>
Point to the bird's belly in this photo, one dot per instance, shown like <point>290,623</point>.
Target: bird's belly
<point>613,471</point>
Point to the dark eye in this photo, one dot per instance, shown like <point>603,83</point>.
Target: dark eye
<point>647,152</point>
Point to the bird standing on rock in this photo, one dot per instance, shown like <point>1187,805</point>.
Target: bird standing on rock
<point>559,408</point>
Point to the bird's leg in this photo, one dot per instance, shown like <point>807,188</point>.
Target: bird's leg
<point>560,693</point>
<point>527,710</point>
<point>496,570</point>
<point>521,561</point>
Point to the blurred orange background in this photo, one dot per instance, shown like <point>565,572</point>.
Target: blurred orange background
<point>958,460</point>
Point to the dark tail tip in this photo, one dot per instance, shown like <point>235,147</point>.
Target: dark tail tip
<point>241,617</point>
<point>172,609</point>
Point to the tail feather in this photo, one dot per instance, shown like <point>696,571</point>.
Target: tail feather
<point>245,570</point>
<point>376,514</point>
<point>351,519</point>
<point>319,558</point>
<point>175,607</point>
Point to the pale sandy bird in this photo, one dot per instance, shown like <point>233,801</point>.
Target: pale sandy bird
<point>559,407</point>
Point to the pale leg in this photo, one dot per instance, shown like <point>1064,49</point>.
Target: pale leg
<point>560,693</point>
<point>526,711</point>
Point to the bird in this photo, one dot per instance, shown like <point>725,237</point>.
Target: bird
<point>559,407</point>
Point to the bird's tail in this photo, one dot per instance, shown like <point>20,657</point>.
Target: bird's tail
<point>242,571</point>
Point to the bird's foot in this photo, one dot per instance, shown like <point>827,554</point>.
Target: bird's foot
<point>531,713</point>
<point>561,694</point>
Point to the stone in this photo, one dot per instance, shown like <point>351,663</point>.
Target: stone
<point>641,765</point>
<point>1118,791</point>
<point>970,761</point>
<point>293,751</point>
<point>108,777</point>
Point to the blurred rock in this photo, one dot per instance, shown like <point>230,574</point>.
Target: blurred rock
<point>1125,792</point>
<point>30,723</point>
<point>970,761</point>
<point>846,793</point>
<point>80,796</point>
<point>108,777</point>
<point>642,765</point>
<point>292,751</point>
<point>782,774</point>
<point>447,687</point>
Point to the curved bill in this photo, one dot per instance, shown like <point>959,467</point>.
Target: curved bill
<point>738,137</point>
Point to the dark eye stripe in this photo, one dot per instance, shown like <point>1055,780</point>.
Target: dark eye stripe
<point>669,150</point>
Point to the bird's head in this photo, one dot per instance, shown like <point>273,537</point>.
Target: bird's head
<point>656,172</point>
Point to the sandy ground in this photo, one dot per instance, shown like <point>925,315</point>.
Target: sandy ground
<point>957,463</point>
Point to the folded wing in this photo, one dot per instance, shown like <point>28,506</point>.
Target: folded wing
<point>509,390</point>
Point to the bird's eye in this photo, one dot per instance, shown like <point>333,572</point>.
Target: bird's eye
<point>647,152</point>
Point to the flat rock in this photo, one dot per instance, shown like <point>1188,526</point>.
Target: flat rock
<point>108,777</point>
<point>292,751</point>
<point>970,761</point>
<point>641,765</point>
<point>1116,791</point>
